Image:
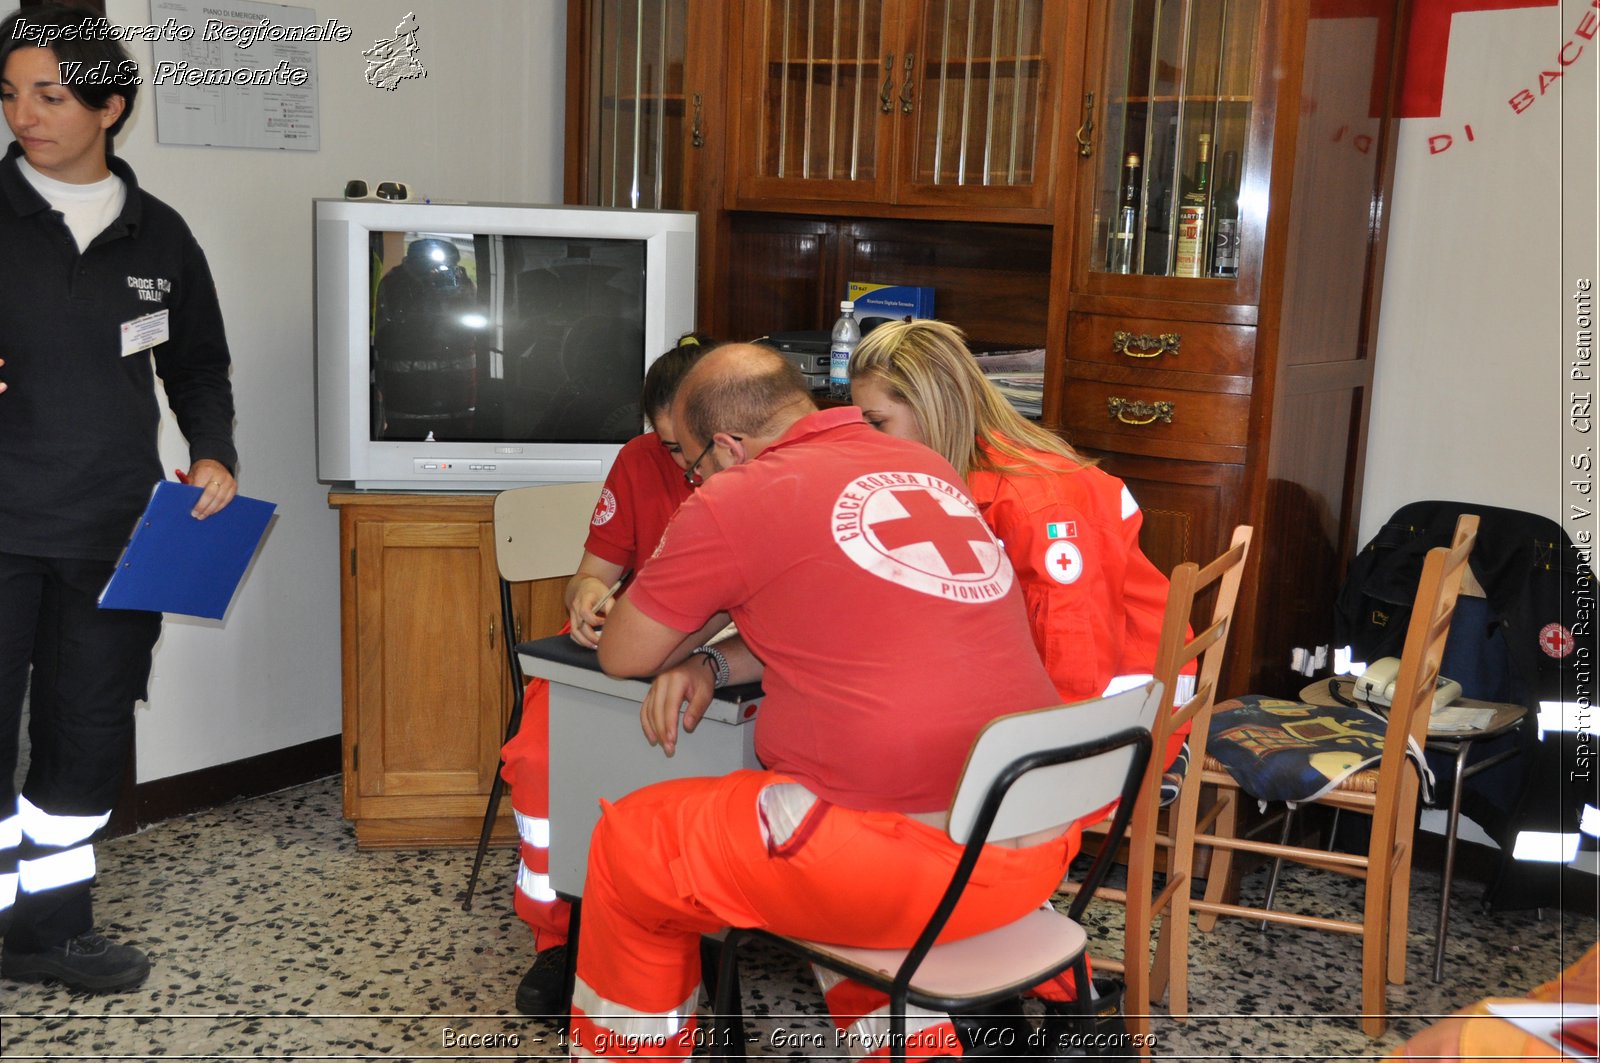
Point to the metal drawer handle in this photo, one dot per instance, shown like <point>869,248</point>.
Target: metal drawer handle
<point>905,88</point>
<point>1138,412</point>
<point>1144,345</point>
<point>699,137</point>
<point>1086,130</point>
<point>886,94</point>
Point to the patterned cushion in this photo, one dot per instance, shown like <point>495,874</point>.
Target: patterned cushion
<point>1290,751</point>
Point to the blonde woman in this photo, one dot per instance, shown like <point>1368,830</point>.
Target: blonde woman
<point>1071,530</point>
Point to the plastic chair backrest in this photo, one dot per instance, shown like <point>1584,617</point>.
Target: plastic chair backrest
<point>1054,796</point>
<point>539,531</point>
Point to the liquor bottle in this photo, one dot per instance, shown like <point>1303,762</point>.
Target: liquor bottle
<point>1119,249</point>
<point>846,334</point>
<point>1193,236</point>
<point>1158,206</point>
<point>1225,241</point>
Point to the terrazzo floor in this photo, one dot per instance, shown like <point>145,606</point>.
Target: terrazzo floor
<point>274,937</point>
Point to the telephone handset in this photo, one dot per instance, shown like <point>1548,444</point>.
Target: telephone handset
<point>1375,686</point>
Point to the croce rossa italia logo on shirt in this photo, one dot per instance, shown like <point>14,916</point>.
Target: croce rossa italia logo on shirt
<point>604,509</point>
<point>923,533</point>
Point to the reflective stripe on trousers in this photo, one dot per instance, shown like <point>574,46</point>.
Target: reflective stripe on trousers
<point>40,851</point>
<point>628,1032</point>
<point>860,1016</point>
<point>10,839</point>
<point>533,880</point>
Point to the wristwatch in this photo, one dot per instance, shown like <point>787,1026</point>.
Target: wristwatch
<point>719,663</point>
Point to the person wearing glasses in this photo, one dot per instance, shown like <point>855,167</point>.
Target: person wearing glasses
<point>871,602</point>
<point>644,488</point>
<point>102,287</point>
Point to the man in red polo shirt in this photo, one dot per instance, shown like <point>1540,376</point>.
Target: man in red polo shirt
<point>855,566</point>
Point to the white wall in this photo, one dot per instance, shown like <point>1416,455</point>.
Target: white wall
<point>1486,241</point>
<point>485,124</point>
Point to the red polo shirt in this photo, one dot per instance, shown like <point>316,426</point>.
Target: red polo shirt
<point>887,616</point>
<point>643,490</point>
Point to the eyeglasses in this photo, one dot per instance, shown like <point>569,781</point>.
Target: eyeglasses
<point>391,190</point>
<point>691,475</point>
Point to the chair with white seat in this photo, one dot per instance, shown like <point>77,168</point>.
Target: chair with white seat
<point>1031,774</point>
<point>539,532</point>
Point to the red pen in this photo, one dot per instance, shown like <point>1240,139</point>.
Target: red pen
<point>180,475</point>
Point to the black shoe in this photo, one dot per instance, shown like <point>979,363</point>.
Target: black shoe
<point>1067,1033</point>
<point>542,989</point>
<point>999,1032</point>
<point>87,963</point>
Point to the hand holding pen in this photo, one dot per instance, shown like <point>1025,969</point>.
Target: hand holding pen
<point>587,617</point>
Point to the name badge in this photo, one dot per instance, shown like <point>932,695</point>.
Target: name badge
<point>145,332</point>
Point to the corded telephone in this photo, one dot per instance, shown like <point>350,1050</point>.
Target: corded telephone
<point>1375,686</point>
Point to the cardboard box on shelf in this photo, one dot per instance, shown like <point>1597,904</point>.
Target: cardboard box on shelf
<point>876,303</point>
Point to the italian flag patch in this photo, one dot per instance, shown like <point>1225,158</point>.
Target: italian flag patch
<point>1061,529</point>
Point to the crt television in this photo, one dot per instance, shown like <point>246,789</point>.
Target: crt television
<point>475,347</point>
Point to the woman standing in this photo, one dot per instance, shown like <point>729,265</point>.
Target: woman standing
<point>102,288</point>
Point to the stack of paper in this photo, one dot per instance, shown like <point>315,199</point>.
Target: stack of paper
<point>1459,718</point>
<point>1019,376</point>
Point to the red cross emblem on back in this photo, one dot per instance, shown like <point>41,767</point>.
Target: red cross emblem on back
<point>921,532</point>
<point>951,534</point>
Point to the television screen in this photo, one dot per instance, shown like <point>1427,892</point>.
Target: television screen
<point>479,346</point>
<point>492,337</point>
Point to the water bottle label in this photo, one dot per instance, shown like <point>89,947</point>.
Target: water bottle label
<point>839,363</point>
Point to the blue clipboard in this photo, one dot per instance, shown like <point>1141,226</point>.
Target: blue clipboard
<point>174,563</point>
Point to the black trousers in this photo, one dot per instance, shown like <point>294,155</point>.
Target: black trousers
<point>88,666</point>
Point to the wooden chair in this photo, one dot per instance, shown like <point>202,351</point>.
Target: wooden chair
<point>1148,977</point>
<point>539,533</point>
<point>1027,773</point>
<point>1387,792</point>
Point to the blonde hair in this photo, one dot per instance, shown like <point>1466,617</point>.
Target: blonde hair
<point>926,365</point>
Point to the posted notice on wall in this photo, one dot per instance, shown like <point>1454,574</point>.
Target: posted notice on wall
<point>235,74</point>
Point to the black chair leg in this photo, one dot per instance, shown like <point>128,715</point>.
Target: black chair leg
<point>513,724</point>
<point>1085,1000</point>
<point>727,1010</point>
<point>897,1029</point>
<point>489,814</point>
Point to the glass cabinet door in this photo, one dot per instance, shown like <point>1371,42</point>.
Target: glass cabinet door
<point>972,95</point>
<point>1173,147</point>
<point>819,86</point>
<point>639,122</point>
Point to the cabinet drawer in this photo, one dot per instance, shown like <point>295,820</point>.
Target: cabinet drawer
<point>1162,422</point>
<point>1168,346</point>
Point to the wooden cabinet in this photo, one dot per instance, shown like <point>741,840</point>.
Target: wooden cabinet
<point>929,103</point>
<point>426,687</point>
<point>765,115</point>
<point>1208,329</point>
<point>646,114</point>
<point>1224,274</point>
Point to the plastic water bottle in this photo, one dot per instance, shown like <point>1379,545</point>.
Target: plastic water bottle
<point>846,334</point>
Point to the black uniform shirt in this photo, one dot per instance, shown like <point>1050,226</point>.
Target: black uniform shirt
<point>78,420</point>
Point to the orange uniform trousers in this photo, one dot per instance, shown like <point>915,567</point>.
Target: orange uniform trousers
<point>526,769</point>
<point>679,859</point>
